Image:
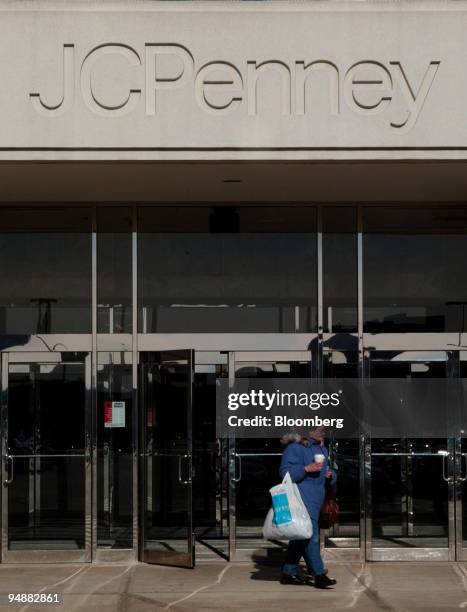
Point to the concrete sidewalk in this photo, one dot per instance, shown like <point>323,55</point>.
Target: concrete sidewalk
<point>398,587</point>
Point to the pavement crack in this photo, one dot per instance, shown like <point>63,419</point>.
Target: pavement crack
<point>123,602</point>
<point>199,589</point>
<point>56,584</point>
<point>81,600</point>
<point>372,593</point>
<point>357,580</point>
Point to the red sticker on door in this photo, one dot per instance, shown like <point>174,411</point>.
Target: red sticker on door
<point>108,414</point>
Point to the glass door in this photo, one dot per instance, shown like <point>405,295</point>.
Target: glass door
<point>461,498</point>
<point>210,465</point>
<point>46,459</point>
<point>166,457</point>
<point>409,484</point>
<point>461,469</point>
<point>254,462</point>
<point>343,539</point>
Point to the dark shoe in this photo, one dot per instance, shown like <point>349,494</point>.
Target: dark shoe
<point>289,579</point>
<point>309,578</point>
<point>309,573</point>
<point>323,582</point>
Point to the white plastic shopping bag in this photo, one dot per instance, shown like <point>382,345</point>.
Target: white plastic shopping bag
<point>288,519</point>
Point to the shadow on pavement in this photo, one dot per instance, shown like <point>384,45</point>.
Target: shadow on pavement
<point>268,566</point>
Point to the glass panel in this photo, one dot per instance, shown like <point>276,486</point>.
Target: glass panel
<point>224,269</point>
<point>45,271</point>
<point>259,459</point>
<point>114,265</point>
<point>409,492</point>
<point>463,486</point>
<point>413,271</point>
<point>46,440</point>
<point>463,458</point>
<point>340,269</point>
<point>114,451</point>
<point>166,410</point>
<point>345,456</point>
<point>209,460</point>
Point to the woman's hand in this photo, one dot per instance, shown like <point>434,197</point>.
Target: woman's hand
<point>329,474</point>
<point>313,467</point>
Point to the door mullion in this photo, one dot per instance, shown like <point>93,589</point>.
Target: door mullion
<point>189,452</point>
<point>35,462</point>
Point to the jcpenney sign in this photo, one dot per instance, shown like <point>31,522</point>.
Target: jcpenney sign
<point>367,87</point>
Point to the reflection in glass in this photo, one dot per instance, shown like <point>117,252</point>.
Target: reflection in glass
<point>227,269</point>
<point>414,269</point>
<point>340,269</point>
<point>114,270</point>
<point>45,271</point>
<point>114,451</point>
<point>46,421</point>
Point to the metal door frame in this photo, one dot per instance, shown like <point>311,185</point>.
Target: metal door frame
<point>151,556</point>
<point>460,458</point>
<point>448,466</point>
<point>46,556</point>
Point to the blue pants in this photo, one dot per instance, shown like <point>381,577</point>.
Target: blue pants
<point>308,549</point>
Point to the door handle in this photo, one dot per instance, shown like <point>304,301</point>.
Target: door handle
<point>11,474</point>
<point>239,477</point>
<point>463,478</point>
<point>180,479</point>
<point>448,479</point>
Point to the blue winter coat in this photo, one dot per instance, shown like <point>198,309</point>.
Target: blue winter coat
<point>310,484</point>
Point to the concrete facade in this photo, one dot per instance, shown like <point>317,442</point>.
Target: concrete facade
<point>218,80</point>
